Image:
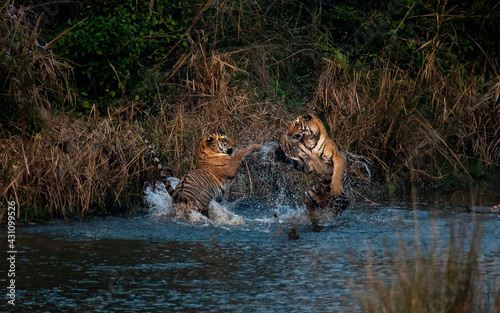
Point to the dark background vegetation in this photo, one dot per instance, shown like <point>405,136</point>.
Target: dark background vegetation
<point>411,85</point>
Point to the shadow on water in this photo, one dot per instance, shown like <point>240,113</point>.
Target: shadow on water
<point>151,263</point>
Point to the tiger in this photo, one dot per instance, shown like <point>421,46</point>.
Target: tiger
<point>319,156</point>
<point>216,165</point>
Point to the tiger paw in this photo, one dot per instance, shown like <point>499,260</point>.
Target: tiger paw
<point>338,203</point>
<point>336,191</point>
<point>280,154</point>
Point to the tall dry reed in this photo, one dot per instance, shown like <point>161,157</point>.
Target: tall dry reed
<point>444,278</point>
<point>73,168</point>
<point>210,101</point>
<point>406,127</point>
<point>248,72</point>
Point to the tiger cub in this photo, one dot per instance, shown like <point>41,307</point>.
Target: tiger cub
<point>209,180</point>
<point>317,155</point>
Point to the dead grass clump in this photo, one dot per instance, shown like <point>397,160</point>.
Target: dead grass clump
<point>447,278</point>
<point>420,127</point>
<point>73,168</point>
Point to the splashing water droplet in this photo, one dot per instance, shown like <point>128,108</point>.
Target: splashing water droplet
<point>158,200</point>
<point>222,216</point>
<point>160,206</point>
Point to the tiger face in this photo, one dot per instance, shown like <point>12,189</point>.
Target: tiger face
<point>215,144</point>
<point>304,127</point>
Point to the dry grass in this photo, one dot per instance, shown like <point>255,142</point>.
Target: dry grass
<point>416,121</point>
<point>73,168</point>
<point>209,102</point>
<point>444,279</point>
<point>408,126</point>
<point>412,125</point>
<point>52,163</point>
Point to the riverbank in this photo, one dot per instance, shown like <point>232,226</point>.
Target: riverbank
<point>417,96</point>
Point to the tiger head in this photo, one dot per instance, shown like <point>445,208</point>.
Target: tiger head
<point>215,144</point>
<point>306,127</point>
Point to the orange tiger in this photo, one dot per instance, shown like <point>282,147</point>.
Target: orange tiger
<point>209,180</point>
<point>317,155</point>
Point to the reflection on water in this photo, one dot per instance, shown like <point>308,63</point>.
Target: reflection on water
<point>148,264</point>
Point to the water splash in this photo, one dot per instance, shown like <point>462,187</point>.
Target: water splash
<point>158,200</point>
<point>265,151</point>
<point>220,215</point>
<point>160,206</point>
<point>356,162</point>
<point>283,206</point>
<point>287,213</point>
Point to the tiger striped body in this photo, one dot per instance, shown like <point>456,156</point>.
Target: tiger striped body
<point>318,156</point>
<point>209,180</point>
<point>197,189</point>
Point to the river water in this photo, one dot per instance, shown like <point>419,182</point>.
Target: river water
<point>246,263</point>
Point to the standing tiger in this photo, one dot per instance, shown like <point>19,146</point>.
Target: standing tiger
<point>209,180</point>
<point>317,155</point>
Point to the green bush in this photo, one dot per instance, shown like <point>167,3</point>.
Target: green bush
<point>116,44</point>
<point>31,76</point>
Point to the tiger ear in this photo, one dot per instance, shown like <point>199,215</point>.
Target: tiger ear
<point>307,117</point>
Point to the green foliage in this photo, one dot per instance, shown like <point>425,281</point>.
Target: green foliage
<point>31,77</point>
<point>285,91</point>
<point>116,44</point>
<point>404,29</point>
<point>457,31</point>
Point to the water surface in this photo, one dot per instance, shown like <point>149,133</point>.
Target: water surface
<point>152,264</point>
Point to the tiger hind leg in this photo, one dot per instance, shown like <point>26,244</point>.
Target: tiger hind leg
<point>205,212</point>
<point>314,198</point>
<point>339,203</point>
<point>319,197</point>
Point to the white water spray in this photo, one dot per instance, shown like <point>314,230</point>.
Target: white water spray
<point>158,200</point>
<point>160,206</point>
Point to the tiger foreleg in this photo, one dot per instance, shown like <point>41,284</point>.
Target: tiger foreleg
<point>338,203</point>
<point>238,156</point>
<point>234,161</point>
<point>339,168</point>
<point>297,164</point>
